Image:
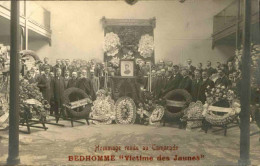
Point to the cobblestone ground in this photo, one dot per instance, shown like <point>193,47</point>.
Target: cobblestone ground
<point>52,147</point>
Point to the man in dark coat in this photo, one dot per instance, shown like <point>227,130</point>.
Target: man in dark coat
<point>73,81</point>
<point>206,83</point>
<point>85,84</point>
<point>196,83</point>
<point>45,85</point>
<point>58,86</point>
<point>174,81</point>
<point>66,78</point>
<point>45,64</point>
<point>185,82</point>
<point>57,66</point>
<point>210,70</point>
<point>222,79</point>
<point>190,68</point>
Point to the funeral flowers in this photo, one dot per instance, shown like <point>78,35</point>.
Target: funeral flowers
<point>111,44</point>
<point>146,46</point>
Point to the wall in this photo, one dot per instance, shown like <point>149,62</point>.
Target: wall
<point>183,30</point>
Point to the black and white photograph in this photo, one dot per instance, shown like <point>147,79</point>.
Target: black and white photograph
<point>127,68</point>
<point>130,82</point>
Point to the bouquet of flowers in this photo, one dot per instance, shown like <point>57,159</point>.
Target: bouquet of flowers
<point>115,61</point>
<point>111,44</point>
<point>219,93</point>
<point>146,46</point>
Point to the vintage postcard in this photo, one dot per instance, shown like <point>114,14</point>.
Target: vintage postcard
<point>130,82</point>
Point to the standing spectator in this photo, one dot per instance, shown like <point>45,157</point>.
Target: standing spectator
<point>206,82</point>
<point>196,83</point>
<point>67,67</point>
<point>30,77</point>
<point>222,79</point>
<point>210,70</point>
<point>199,68</point>
<point>57,66</point>
<point>73,81</point>
<point>218,65</point>
<point>45,85</point>
<point>190,68</point>
<point>185,82</point>
<point>45,64</point>
<point>58,86</point>
<point>174,81</point>
<point>85,84</point>
<point>94,81</point>
<point>66,78</point>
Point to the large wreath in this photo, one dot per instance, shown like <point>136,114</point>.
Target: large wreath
<point>176,102</point>
<point>221,98</point>
<point>74,94</point>
<point>125,111</point>
<point>111,44</point>
<point>146,46</point>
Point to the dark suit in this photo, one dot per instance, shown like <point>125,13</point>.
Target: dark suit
<point>195,87</point>
<point>58,86</point>
<point>191,70</point>
<point>223,81</point>
<point>173,83</point>
<point>72,83</point>
<point>45,87</point>
<point>211,71</point>
<point>185,83</point>
<point>66,81</point>
<point>203,88</point>
<point>44,66</point>
<point>86,85</point>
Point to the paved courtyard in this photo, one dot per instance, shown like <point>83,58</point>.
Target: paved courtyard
<point>54,146</point>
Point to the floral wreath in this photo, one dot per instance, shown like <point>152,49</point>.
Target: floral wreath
<point>125,111</point>
<point>146,46</point>
<point>111,44</point>
<point>220,93</point>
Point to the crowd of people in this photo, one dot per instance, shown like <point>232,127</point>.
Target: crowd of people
<point>89,76</point>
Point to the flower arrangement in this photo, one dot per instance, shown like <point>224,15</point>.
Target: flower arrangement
<point>115,61</point>
<point>33,109</point>
<point>146,46</point>
<point>226,98</point>
<point>103,108</point>
<point>219,93</point>
<point>111,44</point>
